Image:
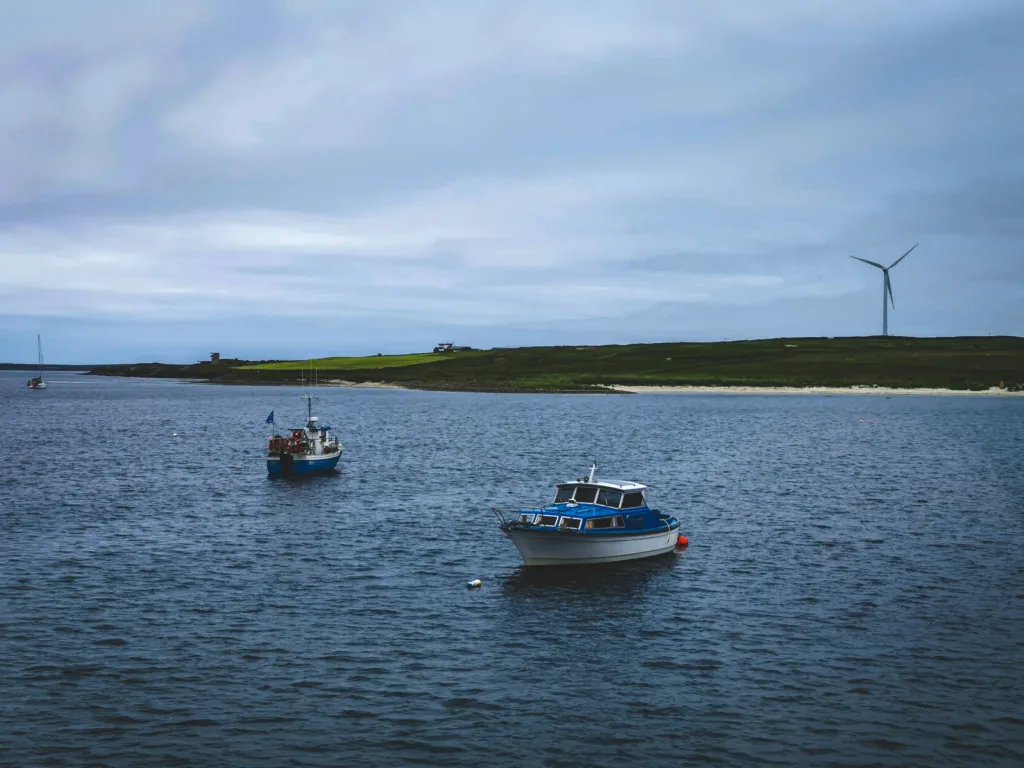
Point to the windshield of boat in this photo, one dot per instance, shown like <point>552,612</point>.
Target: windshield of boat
<point>585,494</point>
<point>633,500</point>
<point>564,493</point>
<point>588,494</point>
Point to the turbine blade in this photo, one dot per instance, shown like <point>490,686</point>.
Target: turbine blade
<point>901,258</point>
<point>888,285</point>
<point>872,263</point>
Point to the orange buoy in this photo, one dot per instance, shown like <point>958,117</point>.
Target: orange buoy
<point>682,541</point>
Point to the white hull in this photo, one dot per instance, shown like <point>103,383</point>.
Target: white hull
<point>40,385</point>
<point>548,548</point>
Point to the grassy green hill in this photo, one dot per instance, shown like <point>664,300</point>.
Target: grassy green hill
<point>954,363</point>
<point>348,363</point>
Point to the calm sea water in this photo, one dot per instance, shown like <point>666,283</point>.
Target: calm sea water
<point>853,593</point>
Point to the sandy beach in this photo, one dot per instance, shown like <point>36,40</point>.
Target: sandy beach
<point>862,390</point>
<point>360,384</point>
<point>657,390</point>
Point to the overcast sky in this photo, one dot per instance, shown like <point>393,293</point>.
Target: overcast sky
<point>275,178</point>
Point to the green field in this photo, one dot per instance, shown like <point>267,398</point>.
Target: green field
<point>965,363</point>
<point>347,363</point>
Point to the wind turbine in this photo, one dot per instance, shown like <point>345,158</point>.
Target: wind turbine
<point>886,286</point>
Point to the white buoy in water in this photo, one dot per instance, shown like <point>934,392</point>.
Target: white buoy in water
<point>474,584</point>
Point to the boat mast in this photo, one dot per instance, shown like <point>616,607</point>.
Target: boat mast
<point>39,344</point>
<point>593,469</point>
<point>308,397</point>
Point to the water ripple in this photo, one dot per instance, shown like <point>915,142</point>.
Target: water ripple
<point>851,595</point>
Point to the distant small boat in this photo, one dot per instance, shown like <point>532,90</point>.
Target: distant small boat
<point>36,382</point>
<point>305,451</point>
<point>590,521</point>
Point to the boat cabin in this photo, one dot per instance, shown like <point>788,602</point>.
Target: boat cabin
<point>595,506</point>
<point>603,494</point>
<point>314,439</point>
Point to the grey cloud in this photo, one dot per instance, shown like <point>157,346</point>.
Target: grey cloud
<point>460,161</point>
<point>984,207</point>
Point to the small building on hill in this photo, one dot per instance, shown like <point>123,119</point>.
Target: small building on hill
<point>448,346</point>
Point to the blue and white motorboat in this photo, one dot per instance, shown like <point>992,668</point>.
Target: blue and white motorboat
<point>305,451</point>
<point>590,521</point>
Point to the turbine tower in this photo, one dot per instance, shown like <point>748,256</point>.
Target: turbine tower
<point>886,286</point>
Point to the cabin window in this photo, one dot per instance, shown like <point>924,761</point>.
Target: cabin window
<point>547,520</point>
<point>602,523</point>
<point>525,518</point>
<point>632,500</point>
<point>609,498</point>
<point>586,494</point>
<point>573,523</point>
<point>564,493</point>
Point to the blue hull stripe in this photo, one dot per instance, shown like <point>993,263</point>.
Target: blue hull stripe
<point>301,467</point>
<point>619,534</point>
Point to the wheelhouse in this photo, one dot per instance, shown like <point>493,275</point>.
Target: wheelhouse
<point>589,506</point>
<point>602,494</point>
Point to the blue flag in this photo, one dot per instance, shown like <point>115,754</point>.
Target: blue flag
<point>270,418</point>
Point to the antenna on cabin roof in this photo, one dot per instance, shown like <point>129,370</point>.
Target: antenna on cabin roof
<point>593,469</point>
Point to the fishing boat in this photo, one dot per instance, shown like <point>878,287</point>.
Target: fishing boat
<point>36,382</point>
<point>304,451</point>
<point>590,521</point>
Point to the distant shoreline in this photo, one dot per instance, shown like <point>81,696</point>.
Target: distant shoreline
<point>32,367</point>
<point>613,389</point>
<point>861,390</point>
<point>609,389</point>
<point>868,365</point>
<point>360,384</point>
<point>688,390</point>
